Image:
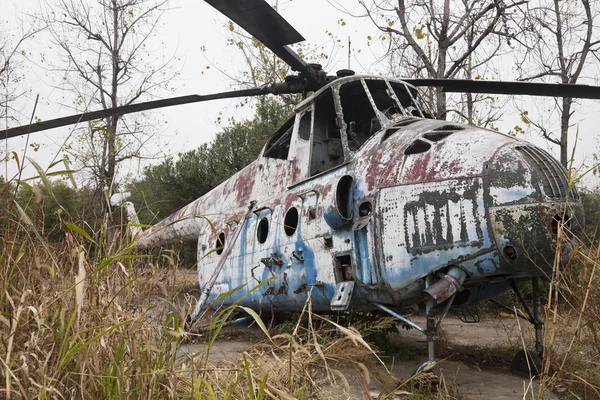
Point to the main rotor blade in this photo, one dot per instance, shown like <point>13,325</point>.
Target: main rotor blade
<point>118,111</point>
<point>504,87</point>
<point>260,20</point>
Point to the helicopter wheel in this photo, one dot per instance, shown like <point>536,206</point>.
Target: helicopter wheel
<point>526,363</point>
<point>425,368</point>
<point>425,377</point>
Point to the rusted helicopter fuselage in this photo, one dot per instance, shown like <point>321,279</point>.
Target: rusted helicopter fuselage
<point>360,188</point>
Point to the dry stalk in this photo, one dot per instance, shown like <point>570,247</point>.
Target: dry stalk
<point>581,312</point>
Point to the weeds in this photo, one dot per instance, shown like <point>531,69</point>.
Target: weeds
<point>88,317</point>
<point>572,315</point>
<point>68,328</point>
<point>571,337</point>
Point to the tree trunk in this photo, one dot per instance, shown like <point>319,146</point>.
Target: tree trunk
<point>112,152</point>
<point>442,56</point>
<point>564,131</point>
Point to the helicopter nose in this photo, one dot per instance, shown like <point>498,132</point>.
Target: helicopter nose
<point>529,197</point>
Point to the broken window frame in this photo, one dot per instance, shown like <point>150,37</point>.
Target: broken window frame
<point>284,134</point>
<point>301,115</point>
<point>378,113</point>
<point>394,96</point>
<point>334,92</point>
<point>404,111</point>
<point>309,106</point>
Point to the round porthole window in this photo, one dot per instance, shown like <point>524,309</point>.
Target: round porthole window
<point>263,230</point>
<point>220,243</point>
<point>290,222</point>
<point>343,196</point>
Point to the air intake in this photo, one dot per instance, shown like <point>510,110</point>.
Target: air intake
<point>416,147</point>
<point>554,177</point>
<point>407,122</point>
<point>449,127</point>
<point>437,136</point>
<point>396,127</point>
<point>389,132</point>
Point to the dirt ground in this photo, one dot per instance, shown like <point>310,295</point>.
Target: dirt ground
<point>478,371</point>
<point>475,358</point>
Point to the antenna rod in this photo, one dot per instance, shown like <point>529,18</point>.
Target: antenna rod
<point>349,46</point>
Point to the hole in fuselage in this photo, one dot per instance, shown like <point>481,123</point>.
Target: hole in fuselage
<point>290,222</point>
<point>560,220</point>
<point>220,243</point>
<point>365,209</point>
<point>510,252</point>
<point>343,268</point>
<point>343,196</point>
<point>262,232</point>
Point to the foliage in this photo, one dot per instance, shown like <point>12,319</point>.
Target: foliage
<point>591,206</point>
<point>49,206</point>
<point>11,74</point>
<point>64,334</point>
<point>262,67</point>
<point>572,323</point>
<point>559,42</point>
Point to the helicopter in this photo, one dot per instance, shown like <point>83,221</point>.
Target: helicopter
<point>362,201</point>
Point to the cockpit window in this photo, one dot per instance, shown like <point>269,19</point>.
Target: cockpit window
<point>382,97</point>
<point>362,121</point>
<point>304,127</point>
<point>358,114</point>
<point>279,145</point>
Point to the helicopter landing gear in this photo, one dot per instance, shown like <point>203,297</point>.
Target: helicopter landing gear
<point>432,326</point>
<point>528,362</point>
<point>431,329</point>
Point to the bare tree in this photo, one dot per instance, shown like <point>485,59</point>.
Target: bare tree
<point>109,61</point>
<point>442,39</point>
<point>11,54</point>
<point>562,42</point>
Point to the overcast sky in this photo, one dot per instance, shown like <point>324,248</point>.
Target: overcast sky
<point>192,24</point>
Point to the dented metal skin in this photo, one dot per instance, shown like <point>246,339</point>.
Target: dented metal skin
<point>386,208</point>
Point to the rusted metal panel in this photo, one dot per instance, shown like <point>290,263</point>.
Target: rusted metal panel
<point>425,226</point>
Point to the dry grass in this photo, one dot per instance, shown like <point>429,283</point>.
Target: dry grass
<point>572,329</point>
<point>78,326</point>
<point>80,320</point>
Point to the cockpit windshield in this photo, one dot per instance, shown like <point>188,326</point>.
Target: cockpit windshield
<point>367,104</point>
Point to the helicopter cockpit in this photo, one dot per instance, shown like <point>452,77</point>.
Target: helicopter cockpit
<point>338,120</point>
<point>368,104</point>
